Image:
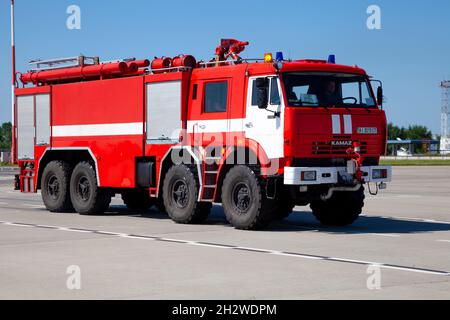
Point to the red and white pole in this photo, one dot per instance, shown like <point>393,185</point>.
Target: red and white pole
<point>13,87</point>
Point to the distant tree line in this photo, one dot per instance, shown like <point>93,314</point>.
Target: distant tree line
<point>414,132</point>
<point>5,136</point>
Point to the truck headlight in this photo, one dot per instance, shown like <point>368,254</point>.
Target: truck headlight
<point>379,174</point>
<point>309,176</point>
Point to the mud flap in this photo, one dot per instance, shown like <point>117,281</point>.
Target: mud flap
<point>17,182</point>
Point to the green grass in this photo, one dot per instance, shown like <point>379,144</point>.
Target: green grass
<point>424,163</point>
<point>3,164</point>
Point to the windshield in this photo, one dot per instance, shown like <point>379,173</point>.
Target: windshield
<point>328,90</point>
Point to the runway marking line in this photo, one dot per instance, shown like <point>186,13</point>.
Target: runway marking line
<point>417,219</point>
<point>384,235</point>
<point>231,247</point>
<point>35,206</point>
<point>406,219</point>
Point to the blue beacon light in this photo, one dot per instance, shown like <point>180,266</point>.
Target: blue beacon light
<point>279,56</point>
<point>332,59</point>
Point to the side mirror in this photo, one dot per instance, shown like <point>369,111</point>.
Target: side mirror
<point>380,96</point>
<point>262,86</point>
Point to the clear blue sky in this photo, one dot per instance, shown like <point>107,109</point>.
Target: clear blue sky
<point>411,53</point>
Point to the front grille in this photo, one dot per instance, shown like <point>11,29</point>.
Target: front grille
<point>327,148</point>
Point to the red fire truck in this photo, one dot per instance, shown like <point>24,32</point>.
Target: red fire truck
<point>259,136</point>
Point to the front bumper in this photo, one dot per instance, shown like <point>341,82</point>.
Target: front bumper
<point>293,176</point>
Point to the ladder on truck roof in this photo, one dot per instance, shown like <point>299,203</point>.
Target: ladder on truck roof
<point>61,63</point>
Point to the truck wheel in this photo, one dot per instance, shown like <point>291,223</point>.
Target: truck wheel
<point>180,197</point>
<point>137,200</point>
<point>343,209</point>
<point>244,201</point>
<point>87,197</point>
<point>55,187</point>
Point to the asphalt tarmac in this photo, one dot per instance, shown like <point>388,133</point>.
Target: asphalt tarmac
<point>399,249</point>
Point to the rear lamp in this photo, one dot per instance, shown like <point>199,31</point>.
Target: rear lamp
<point>357,147</point>
<point>379,174</point>
<point>309,176</point>
<point>268,57</point>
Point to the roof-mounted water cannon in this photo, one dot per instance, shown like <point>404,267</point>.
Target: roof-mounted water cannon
<point>230,48</point>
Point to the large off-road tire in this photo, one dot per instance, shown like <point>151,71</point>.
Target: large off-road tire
<point>138,200</point>
<point>55,187</point>
<point>244,200</point>
<point>343,209</point>
<point>87,197</point>
<point>180,193</point>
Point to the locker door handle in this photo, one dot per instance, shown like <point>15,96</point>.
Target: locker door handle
<point>203,127</point>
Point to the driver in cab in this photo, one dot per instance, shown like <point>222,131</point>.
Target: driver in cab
<point>329,94</point>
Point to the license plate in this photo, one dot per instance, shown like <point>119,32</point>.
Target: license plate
<point>367,130</point>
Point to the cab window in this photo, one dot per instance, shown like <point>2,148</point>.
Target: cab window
<point>216,97</point>
<point>326,89</point>
<point>274,94</point>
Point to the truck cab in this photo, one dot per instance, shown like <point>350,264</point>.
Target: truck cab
<point>315,129</point>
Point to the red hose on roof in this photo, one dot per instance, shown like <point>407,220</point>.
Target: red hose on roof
<point>77,73</point>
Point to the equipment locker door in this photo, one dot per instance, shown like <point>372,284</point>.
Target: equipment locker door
<point>25,127</point>
<point>42,119</point>
<point>164,112</point>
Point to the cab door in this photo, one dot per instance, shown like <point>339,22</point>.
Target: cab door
<point>209,112</point>
<point>266,127</point>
